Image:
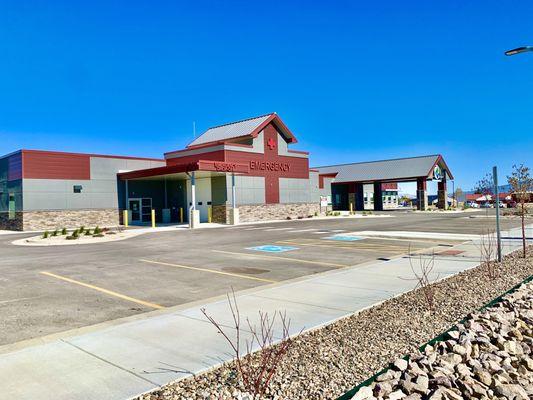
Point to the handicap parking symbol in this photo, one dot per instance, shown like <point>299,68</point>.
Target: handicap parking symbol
<point>344,238</point>
<point>269,248</point>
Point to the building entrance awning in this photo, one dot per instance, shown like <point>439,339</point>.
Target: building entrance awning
<point>202,169</point>
<point>394,170</point>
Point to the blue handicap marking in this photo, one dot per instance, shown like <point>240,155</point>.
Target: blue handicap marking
<point>270,248</point>
<point>344,238</point>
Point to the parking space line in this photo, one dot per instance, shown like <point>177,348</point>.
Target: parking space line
<point>283,258</point>
<point>213,271</point>
<point>304,230</point>
<point>278,229</point>
<point>106,291</point>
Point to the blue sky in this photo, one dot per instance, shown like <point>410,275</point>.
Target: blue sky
<point>354,80</point>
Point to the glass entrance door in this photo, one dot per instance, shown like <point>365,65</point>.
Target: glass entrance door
<point>135,209</point>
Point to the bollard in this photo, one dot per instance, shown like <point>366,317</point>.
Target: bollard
<point>209,214</point>
<point>153,218</point>
<point>125,218</point>
<point>181,215</point>
<point>351,208</point>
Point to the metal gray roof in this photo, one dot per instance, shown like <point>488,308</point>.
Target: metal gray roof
<point>396,169</point>
<point>230,131</point>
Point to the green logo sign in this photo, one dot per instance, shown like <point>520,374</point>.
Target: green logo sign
<point>437,173</point>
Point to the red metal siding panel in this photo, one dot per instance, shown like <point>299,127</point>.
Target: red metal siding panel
<point>271,165</point>
<point>213,156</point>
<point>51,165</point>
<point>390,186</point>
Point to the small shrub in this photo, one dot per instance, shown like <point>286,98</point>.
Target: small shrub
<point>98,235</point>
<point>46,234</point>
<point>81,229</point>
<point>300,217</point>
<point>75,234</point>
<point>309,216</point>
<point>72,237</point>
<point>289,218</point>
<point>64,231</point>
<point>55,232</point>
<point>87,232</point>
<point>364,213</point>
<point>97,230</point>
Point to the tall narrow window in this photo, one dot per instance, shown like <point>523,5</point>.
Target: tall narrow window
<point>11,207</point>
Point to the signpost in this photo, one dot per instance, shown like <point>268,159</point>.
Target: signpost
<point>497,205</point>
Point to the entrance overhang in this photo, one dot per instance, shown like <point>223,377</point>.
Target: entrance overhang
<point>202,169</point>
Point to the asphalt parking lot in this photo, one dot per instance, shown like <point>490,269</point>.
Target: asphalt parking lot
<point>45,290</point>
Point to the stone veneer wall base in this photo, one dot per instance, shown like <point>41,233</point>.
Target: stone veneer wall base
<point>58,219</point>
<point>11,224</point>
<point>266,212</point>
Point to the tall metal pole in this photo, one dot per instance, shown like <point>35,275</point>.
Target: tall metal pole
<point>497,203</point>
<point>233,194</point>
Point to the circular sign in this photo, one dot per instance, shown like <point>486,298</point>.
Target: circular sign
<point>437,173</point>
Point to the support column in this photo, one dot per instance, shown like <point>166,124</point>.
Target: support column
<point>421,194</point>
<point>378,196</point>
<point>234,213</point>
<point>194,214</point>
<point>442,196</point>
<point>127,206</point>
<point>359,197</point>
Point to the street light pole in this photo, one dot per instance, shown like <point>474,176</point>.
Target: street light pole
<point>519,50</point>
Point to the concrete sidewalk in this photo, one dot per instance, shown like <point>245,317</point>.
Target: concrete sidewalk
<point>122,361</point>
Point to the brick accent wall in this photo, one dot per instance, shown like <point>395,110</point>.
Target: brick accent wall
<point>11,224</point>
<point>41,220</point>
<point>265,212</point>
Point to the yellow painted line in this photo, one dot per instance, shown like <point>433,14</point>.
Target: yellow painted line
<point>210,270</point>
<point>283,258</point>
<point>106,291</point>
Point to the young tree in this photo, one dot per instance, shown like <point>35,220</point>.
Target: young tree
<point>522,186</point>
<point>485,187</point>
<point>457,195</point>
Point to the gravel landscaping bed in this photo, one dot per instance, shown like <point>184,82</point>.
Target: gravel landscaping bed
<point>327,362</point>
<point>487,356</point>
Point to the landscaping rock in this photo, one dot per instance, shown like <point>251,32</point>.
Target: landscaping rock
<point>502,370</point>
<point>327,362</point>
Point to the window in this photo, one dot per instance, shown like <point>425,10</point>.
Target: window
<point>77,188</point>
<point>11,207</point>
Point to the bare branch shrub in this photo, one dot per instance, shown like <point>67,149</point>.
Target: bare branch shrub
<point>422,277</point>
<point>256,369</point>
<point>521,183</point>
<point>488,250</point>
